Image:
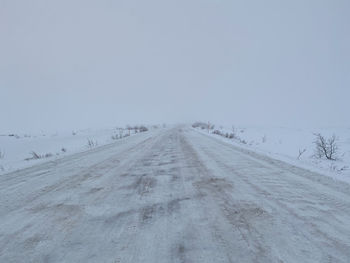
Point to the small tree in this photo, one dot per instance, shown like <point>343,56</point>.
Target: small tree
<point>327,148</point>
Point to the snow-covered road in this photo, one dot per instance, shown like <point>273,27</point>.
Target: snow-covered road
<point>172,195</point>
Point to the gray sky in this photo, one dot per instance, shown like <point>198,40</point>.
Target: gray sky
<point>71,64</point>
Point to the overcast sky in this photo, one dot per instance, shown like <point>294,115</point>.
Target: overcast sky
<point>69,64</point>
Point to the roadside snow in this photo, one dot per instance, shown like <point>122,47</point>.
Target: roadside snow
<point>16,149</point>
<point>285,143</point>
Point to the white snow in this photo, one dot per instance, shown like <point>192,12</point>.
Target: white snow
<point>284,143</point>
<point>16,149</point>
<point>172,195</point>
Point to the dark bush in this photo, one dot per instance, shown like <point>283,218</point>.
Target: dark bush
<point>143,129</point>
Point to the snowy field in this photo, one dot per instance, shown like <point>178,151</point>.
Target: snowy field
<point>293,145</point>
<point>172,195</point>
<point>20,150</point>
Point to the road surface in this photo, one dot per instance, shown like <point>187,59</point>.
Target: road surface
<point>172,195</point>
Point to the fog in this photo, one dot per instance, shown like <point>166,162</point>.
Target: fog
<point>76,64</point>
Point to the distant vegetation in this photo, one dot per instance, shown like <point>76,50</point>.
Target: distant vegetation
<point>210,127</point>
<point>203,125</point>
<point>36,156</point>
<point>142,129</point>
<point>122,133</point>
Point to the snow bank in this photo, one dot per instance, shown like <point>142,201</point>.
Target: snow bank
<point>285,144</point>
<point>17,149</point>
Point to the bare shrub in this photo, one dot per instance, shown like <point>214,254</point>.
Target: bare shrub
<point>36,156</point>
<point>217,132</point>
<point>264,139</point>
<point>301,152</point>
<point>91,143</point>
<point>226,135</point>
<point>242,141</point>
<point>2,154</point>
<point>326,147</point>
